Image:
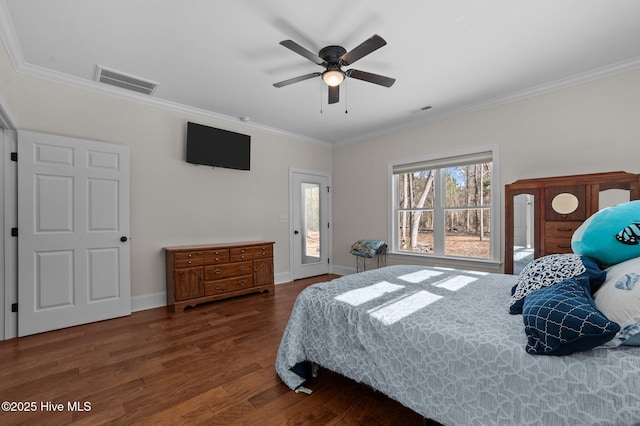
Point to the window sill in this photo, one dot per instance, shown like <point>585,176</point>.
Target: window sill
<point>485,265</point>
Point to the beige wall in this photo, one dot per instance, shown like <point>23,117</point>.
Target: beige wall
<point>592,127</point>
<point>172,202</point>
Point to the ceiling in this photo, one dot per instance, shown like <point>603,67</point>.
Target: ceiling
<point>223,56</point>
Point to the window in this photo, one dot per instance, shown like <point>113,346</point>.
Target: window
<point>446,206</point>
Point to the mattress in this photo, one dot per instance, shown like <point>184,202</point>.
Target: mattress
<point>442,342</point>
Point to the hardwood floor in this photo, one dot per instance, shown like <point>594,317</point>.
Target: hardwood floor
<point>214,365</point>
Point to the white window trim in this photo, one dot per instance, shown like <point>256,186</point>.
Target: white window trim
<point>493,262</point>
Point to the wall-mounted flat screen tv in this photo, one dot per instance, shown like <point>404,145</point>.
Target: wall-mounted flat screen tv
<point>217,147</point>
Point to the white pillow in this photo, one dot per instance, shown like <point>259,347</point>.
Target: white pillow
<point>619,300</point>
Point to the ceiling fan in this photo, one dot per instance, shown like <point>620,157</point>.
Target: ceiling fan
<point>333,58</point>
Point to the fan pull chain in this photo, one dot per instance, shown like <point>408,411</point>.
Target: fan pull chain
<point>321,87</point>
<point>346,98</point>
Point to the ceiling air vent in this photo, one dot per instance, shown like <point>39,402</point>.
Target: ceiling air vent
<point>125,81</point>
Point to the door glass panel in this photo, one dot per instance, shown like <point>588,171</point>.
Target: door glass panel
<point>310,199</point>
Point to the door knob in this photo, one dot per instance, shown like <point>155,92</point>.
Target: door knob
<point>123,239</point>
<point>296,232</point>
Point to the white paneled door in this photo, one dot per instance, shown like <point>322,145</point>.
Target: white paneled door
<point>73,232</point>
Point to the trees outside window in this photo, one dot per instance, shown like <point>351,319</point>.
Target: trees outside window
<point>444,206</point>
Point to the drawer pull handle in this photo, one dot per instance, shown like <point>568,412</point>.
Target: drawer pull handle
<point>218,287</point>
<point>217,259</point>
<point>189,262</point>
<point>242,268</point>
<point>565,229</point>
<point>189,255</point>
<point>242,256</point>
<point>564,246</point>
<point>218,271</point>
<point>241,282</point>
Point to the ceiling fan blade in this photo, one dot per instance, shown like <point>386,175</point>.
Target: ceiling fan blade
<point>297,79</point>
<point>371,78</point>
<point>290,44</point>
<point>362,50</point>
<point>334,94</point>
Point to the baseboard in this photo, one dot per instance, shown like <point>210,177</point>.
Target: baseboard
<point>282,277</point>
<point>343,270</point>
<point>148,301</point>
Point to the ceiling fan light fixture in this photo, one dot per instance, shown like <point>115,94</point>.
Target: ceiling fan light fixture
<point>333,77</point>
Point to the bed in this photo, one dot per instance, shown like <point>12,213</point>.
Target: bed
<point>442,342</point>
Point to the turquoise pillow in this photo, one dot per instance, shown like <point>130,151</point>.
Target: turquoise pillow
<point>611,235</point>
<point>562,319</point>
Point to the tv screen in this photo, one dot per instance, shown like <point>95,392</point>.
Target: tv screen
<point>218,148</point>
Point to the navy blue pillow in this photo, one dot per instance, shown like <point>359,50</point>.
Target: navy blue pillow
<point>552,269</point>
<point>562,319</point>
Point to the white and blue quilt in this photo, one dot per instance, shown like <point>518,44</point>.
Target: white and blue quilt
<point>441,342</point>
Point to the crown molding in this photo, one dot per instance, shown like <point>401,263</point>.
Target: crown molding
<point>96,87</point>
<point>8,36</point>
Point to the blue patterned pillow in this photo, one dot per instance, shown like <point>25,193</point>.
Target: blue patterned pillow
<point>562,319</point>
<point>552,269</point>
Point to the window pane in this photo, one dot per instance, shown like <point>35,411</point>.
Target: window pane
<point>311,227</point>
<point>468,185</point>
<point>442,206</point>
<point>416,231</point>
<point>416,190</point>
<point>467,233</point>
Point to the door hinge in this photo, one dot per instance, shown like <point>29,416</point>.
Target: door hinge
<point>328,224</point>
<point>14,156</point>
<point>14,232</point>
<point>14,307</point>
<point>328,188</point>
<point>328,261</point>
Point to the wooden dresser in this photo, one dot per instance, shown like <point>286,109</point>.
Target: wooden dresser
<point>204,273</point>
<point>553,229</point>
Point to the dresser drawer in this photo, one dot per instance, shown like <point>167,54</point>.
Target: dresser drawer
<point>262,251</point>
<point>241,253</point>
<point>216,272</point>
<point>557,245</point>
<point>212,257</point>
<point>225,286</point>
<point>241,282</point>
<point>189,258</point>
<point>240,268</point>
<point>562,229</point>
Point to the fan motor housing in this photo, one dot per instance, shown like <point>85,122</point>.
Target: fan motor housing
<point>332,54</point>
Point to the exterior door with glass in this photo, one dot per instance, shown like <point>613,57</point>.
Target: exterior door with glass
<point>309,224</point>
